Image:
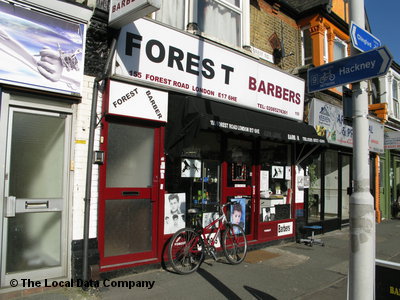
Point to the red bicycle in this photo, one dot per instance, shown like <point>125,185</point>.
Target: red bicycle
<point>189,246</point>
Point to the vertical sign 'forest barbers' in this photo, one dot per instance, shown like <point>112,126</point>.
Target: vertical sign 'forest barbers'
<point>173,60</point>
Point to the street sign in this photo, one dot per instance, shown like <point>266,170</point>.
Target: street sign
<point>362,39</point>
<point>373,63</point>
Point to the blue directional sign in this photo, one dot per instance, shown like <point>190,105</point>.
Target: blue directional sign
<point>356,68</point>
<point>362,39</point>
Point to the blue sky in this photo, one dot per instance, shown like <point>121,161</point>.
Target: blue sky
<point>384,18</point>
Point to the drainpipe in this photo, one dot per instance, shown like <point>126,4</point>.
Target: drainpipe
<point>93,121</point>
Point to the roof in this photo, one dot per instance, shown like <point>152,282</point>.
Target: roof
<point>302,6</point>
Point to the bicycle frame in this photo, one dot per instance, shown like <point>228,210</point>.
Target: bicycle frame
<point>207,231</point>
<point>189,245</point>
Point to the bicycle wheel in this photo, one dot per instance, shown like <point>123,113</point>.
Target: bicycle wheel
<point>234,244</point>
<point>186,251</point>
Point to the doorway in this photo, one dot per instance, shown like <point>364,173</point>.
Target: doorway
<point>238,182</point>
<point>328,198</point>
<point>129,192</point>
<point>35,189</point>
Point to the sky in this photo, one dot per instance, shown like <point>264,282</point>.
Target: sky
<point>384,19</point>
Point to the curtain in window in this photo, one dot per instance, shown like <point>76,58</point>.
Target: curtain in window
<point>219,21</point>
<point>172,12</point>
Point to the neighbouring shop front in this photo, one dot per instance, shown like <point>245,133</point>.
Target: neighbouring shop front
<point>390,175</point>
<point>330,171</point>
<point>188,123</point>
<point>37,96</point>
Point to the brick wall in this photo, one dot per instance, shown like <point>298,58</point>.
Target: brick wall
<point>264,22</point>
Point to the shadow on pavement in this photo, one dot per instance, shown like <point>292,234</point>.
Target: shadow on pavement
<point>215,282</point>
<point>258,294</point>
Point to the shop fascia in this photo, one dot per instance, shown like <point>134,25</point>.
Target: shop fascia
<point>328,121</point>
<point>151,54</point>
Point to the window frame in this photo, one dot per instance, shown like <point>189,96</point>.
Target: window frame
<point>303,55</point>
<point>191,15</point>
<point>395,100</point>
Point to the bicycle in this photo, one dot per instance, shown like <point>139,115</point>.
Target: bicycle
<point>189,245</point>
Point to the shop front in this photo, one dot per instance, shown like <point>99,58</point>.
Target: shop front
<point>330,171</point>
<point>390,176</point>
<point>189,123</point>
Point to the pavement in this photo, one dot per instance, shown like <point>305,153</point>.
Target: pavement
<point>284,271</point>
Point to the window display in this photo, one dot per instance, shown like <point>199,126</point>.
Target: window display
<point>275,181</point>
<point>239,162</point>
<point>196,173</point>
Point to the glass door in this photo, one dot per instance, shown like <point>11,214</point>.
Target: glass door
<point>345,185</point>
<point>128,195</point>
<point>36,181</point>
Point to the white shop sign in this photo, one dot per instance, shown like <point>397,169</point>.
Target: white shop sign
<point>122,12</point>
<point>139,102</point>
<point>285,228</point>
<point>392,140</point>
<point>173,60</point>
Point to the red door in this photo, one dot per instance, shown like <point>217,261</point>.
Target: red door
<point>239,183</point>
<point>128,195</point>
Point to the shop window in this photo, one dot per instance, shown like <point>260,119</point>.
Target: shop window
<point>275,181</point>
<point>196,173</point>
<point>346,185</point>
<point>331,185</point>
<point>314,190</point>
<point>395,93</point>
<point>220,19</point>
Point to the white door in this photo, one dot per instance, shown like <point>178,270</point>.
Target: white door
<point>36,180</point>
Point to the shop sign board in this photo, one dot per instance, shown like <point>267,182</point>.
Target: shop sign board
<point>371,64</point>
<point>328,121</point>
<point>392,140</point>
<point>362,39</point>
<point>174,60</point>
<point>40,51</point>
<point>387,279</point>
<point>122,12</point>
<point>285,228</point>
<point>136,101</point>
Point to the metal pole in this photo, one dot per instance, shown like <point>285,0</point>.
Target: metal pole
<point>361,280</point>
<point>88,190</point>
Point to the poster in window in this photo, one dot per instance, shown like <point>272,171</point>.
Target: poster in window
<point>277,172</point>
<point>174,216</point>
<point>288,172</point>
<point>264,183</point>
<point>238,212</point>
<point>191,168</point>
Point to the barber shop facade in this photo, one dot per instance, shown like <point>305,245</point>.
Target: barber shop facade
<point>189,123</point>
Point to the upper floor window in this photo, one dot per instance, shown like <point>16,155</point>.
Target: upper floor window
<point>219,19</point>
<point>173,12</point>
<point>395,94</point>
<point>306,46</point>
<point>339,49</point>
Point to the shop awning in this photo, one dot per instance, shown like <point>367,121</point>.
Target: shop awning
<point>189,114</point>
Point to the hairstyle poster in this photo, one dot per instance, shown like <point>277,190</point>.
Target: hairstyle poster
<point>174,215</point>
<point>238,212</point>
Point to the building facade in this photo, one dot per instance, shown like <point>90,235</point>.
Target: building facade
<point>201,103</point>
<point>43,92</point>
